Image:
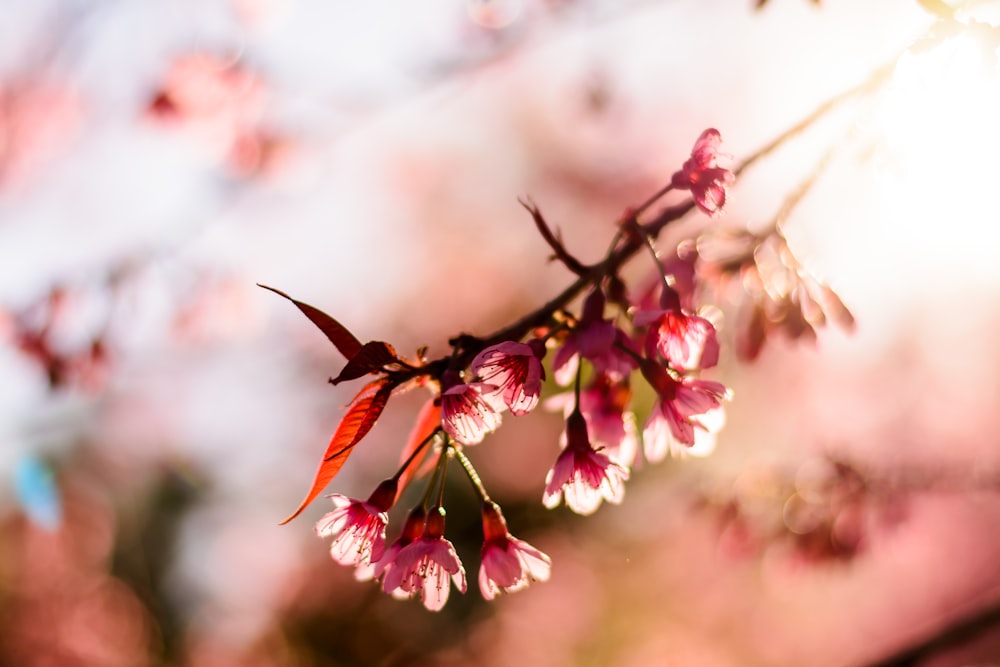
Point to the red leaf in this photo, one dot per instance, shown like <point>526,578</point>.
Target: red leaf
<point>338,334</point>
<point>371,357</point>
<point>428,421</point>
<point>359,419</point>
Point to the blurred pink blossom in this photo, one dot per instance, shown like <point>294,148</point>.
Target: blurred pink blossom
<point>699,174</point>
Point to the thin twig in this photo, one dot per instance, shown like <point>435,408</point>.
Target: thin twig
<point>571,262</point>
<point>593,274</point>
<point>876,79</point>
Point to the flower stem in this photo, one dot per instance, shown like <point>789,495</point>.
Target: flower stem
<point>656,256</point>
<point>444,469</point>
<point>470,471</point>
<point>576,385</point>
<point>437,478</point>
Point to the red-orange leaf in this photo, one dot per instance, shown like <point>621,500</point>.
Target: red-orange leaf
<point>371,357</point>
<point>359,419</point>
<point>428,421</point>
<point>336,332</point>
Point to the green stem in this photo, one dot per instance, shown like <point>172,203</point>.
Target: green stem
<point>470,471</point>
<point>444,469</point>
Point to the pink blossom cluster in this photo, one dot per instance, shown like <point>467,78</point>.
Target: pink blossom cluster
<point>421,562</point>
<point>613,342</point>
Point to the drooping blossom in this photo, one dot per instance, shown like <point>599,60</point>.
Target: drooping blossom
<point>515,370</point>
<point>583,476</point>
<point>684,405</point>
<point>595,339</point>
<point>413,528</point>
<point>358,527</point>
<point>659,438</point>
<point>700,174</point>
<point>686,341</point>
<point>610,424</point>
<point>424,566</point>
<point>467,415</point>
<point>508,564</point>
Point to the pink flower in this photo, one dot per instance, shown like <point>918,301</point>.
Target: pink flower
<point>610,425</point>
<point>508,564</point>
<point>466,414</point>
<point>687,342</point>
<point>413,528</point>
<point>699,174</point>
<point>515,370</point>
<point>358,528</point>
<point>582,475</point>
<point>684,405</point>
<point>596,340</point>
<point>659,438</point>
<point>424,566</point>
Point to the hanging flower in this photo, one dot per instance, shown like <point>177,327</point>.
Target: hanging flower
<point>508,564</point>
<point>413,528</point>
<point>424,566</point>
<point>683,405</point>
<point>611,425</point>
<point>581,475</point>
<point>357,527</point>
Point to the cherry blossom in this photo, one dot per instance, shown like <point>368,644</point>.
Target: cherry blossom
<point>358,527</point>
<point>413,528</point>
<point>508,564</point>
<point>595,339</point>
<point>581,475</point>
<point>659,438</point>
<point>699,174</point>
<point>610,424</point>
<point>683,405</point>
<point>515,370</point>
<point>467,415</point>
<point>424,566</point>
<point>686,341</point>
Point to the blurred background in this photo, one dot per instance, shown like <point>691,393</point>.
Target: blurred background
<point>159,413</point>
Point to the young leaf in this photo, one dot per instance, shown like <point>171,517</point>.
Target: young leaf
<point>372,356</point>
<point>338,334</point>
<point>428,421</point>
<point>359,419</point>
